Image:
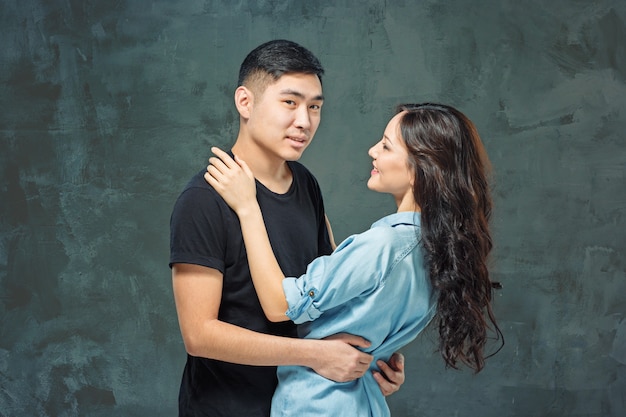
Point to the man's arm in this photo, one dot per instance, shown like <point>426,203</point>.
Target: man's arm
<point>197,293</point>
<point>245,204</point>
<point>330,233</point>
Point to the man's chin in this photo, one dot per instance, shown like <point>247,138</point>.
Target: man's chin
<point>293,155</point>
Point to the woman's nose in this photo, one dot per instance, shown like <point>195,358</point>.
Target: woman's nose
<point>372,152</point>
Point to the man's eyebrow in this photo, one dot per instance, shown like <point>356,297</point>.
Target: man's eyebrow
<point>290,92</point>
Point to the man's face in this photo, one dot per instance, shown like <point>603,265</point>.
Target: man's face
<point>285,116</point>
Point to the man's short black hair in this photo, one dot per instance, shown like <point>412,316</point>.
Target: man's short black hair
<point>279,57</point>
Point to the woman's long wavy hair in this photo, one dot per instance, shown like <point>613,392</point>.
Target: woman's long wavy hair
<point>451,187</point>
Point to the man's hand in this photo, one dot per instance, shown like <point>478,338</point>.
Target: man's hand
<point>391,374</point>
<point>340,360</point>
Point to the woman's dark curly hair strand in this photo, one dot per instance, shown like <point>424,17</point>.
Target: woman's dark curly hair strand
<point>451,187</point>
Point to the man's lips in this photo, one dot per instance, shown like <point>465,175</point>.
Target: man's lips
<point>297,139</point>
<point>297,142</point>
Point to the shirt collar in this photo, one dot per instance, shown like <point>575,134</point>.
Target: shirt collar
<point>405,217</point>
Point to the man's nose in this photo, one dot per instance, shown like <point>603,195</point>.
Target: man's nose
<point>303,119</point>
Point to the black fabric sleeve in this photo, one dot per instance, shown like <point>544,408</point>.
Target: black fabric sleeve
<point>197,228</point>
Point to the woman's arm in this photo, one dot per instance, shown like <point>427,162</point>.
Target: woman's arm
<point>234,181</point>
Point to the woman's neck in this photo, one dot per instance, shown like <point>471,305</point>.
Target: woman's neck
<point>408,203</point>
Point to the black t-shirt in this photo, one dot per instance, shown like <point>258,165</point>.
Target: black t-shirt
<point>205,231</point>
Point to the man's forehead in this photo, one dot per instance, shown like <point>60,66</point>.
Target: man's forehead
<point>299,84</point>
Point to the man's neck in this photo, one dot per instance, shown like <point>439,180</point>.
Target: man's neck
<point>270,170</point>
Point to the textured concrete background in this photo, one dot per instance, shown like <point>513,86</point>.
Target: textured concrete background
<point>108,107</point>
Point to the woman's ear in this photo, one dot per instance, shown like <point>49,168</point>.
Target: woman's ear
<point>244,100</point>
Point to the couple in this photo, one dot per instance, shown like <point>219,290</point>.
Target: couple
<point>427,260</point>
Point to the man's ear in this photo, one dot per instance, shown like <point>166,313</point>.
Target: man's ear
<point>244,100</point>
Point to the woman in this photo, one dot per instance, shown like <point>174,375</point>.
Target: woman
<point>426,261</point>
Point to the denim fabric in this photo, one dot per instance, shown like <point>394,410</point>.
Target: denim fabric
<point>375,284</point>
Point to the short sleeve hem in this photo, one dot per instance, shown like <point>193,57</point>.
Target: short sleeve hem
<point>194,259</point>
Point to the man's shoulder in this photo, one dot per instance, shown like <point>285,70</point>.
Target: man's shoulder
<point>197,193</point>
<point>198,185</point>
<point>197,181</point>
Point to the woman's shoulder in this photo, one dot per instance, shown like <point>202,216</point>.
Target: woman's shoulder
<point>385,237</point>
<point>395,235</point>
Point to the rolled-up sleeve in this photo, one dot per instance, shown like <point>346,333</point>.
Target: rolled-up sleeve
<point>301,308</point>
<point>354,269</point>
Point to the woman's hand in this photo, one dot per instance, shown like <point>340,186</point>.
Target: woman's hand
<point>232,179</point>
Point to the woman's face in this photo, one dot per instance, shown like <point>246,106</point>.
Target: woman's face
<point>392,173</point>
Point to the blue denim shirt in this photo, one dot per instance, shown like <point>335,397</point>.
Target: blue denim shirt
<point>375,285</point>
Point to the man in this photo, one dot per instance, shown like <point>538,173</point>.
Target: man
<point>232,348</point>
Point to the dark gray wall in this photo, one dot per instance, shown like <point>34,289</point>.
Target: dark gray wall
<point>108,107</point>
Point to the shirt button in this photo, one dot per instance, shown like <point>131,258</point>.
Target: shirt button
<point>311,293</point>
